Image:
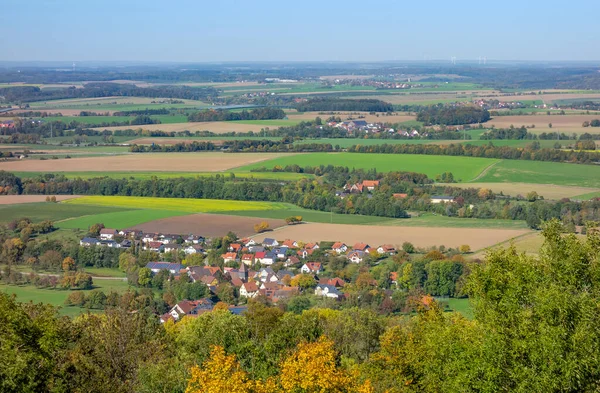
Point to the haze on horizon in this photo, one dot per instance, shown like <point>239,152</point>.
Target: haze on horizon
<point>267,30</point>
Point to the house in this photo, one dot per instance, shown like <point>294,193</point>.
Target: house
<point>148,237</point>
<point>370,184</point>
<point>400,196</point>
<point>126,243</point>
<point>170,247</point>
<point>155,246</point>
<point>110,243</point>
<point>311,268</point>
<point>336,282</point>
<point>193,249</point>
<point>356,256</point>
<point>248,290</point>
<point>89,241</point>
<point>108,234</point>
<point>156,267</point>
<point>194,239</point>
<point>441,199</point>
<point>327,291</point>
<point>264,274</point>
<point>282,273</point>
<point>248,242</point>
<point>386,249</point>
<point>229,257</point>
<point>210,281</point>
<point>361,247</point>
<point>248,259</point>
<point>235,247</point>
<point>339,247</point>
<point>190,307</point>
<point>268,242</point>
<point>394,277</point>
<point>256,249</point>
<point>280,252</point>
<point>290,243</point>
<point>268,258</point>
<point>291,261</point>
<point>311,246</point>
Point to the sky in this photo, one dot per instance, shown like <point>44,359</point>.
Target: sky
<point>307,30</point>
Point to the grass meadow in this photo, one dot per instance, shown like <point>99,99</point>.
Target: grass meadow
<point>465,168</point>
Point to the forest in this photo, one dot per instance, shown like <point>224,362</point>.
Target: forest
<point>534,328</point>
<point>452,115</point>
<point>339,104</point>
<point>223,115</point>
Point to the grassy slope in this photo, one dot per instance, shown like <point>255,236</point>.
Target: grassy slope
<point>465,168</point>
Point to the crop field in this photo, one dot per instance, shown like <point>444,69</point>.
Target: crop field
<point>208,225</point>
<point>218,127</point>
<point>538,172</point>
<point>477,238</point>
<point>144,162</point>
<point>119,219</point>
<point>434,220</point>
<point>344,115</point>
<point>95,120</point>
<point>17,199</point>
<point>465,168</point>
<point>112,104</point>
<point>175,204</point>
<point>548,191</point>
<point>286,176</point>
<point>311,216</point>
<point>52,211</point>
<point>560,123</point>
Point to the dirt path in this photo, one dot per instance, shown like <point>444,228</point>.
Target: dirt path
<point>484,172</point>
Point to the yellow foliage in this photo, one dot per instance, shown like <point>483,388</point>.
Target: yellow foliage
<point>221,373</point>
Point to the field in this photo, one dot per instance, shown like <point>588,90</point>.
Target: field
<point>169,175</point>
<point>208,225</point>
<point>52,211</point>
<point>434,220</point>
<point>118,219</point>
<point>175,204</point>
<point>57,297</point>
<point>477,238</point>
<point>218,127</point>
<point>538,172</point>
<point>560,123</point>
<point>16,199</point>
<point>147,162</point>
<point>548,191</point>
<point>465,168</point>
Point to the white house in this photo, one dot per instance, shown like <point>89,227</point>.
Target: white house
<point>326,290</point>
<point>311,268</point>
<point>248,290</point>
<point>339,248</point>
<point>108,234</point>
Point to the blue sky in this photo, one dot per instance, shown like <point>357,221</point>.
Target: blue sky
<point>309,30</point>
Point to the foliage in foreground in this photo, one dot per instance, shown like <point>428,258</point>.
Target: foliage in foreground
<point>536,328</point>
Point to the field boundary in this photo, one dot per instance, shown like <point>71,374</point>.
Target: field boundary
<point>485,171</point>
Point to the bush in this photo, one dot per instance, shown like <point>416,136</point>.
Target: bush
<point>408,247</point>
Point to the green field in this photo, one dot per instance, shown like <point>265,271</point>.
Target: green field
<point>57,297</point>
<point>538,172</point>
<point>94,120</point>
<point>272,123</point>
<point>465,168</point>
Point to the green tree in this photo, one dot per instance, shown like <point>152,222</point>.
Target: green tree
<point>144,277</point>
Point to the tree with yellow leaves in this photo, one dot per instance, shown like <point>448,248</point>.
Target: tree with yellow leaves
<point>221,373</point>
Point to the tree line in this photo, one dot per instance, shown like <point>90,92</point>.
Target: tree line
<point>266,113</point>
<point>452,115</point>
<point>340,104</point>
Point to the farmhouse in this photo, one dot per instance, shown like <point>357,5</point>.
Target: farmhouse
<point>386,249</point>
<point>339,248</point>
<point>108,234</point>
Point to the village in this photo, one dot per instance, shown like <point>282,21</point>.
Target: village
<point>271,269</point>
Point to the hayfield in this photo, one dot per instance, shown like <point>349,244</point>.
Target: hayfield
<point>208,225</point>
<point>16,199</point>
<point>477,238</point>
<point>465,168</point>
<point>175,204</point>
<point>548,191</point>
<point>147,162</point>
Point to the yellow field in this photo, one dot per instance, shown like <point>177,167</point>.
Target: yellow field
<point>560,123</point>
<point>175,204</point>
